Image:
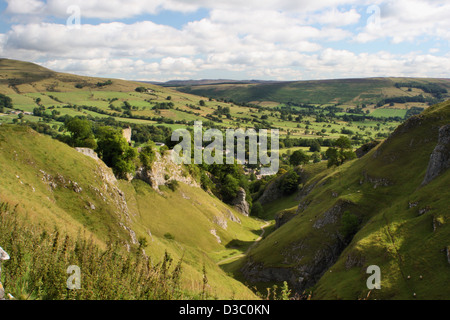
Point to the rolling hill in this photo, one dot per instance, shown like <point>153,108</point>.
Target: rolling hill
<point>351,92</point>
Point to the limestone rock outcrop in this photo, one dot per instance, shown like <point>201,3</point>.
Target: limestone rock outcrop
<point>440,158</point>
<point>240,204</point>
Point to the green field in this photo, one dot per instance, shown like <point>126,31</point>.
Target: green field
<point>386,113</point>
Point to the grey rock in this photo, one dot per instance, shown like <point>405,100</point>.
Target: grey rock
<point>160,168</point>
<point>232,217</point>
<point>240,204</point>
<point>436,224</point>
<point>214,233</point>
<point>88,152</point>
<point>424,210</point>
<point>3,255</point>
<point>412,204</point>
<point>221,222</point>
<point>331,216</point>
<point>440,157</point>
<point>301,276</point>
<point>377,182</point>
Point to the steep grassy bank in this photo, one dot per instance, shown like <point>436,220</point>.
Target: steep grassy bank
<point>401,225</point>
<point>57,188</point>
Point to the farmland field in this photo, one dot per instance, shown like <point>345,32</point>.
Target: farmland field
<point>386,112</point>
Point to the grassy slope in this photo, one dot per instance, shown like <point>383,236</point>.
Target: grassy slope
<point>345,91</point>
<point>392,235</point>
<point>24,153</point>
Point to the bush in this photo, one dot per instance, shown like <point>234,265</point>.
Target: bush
<point>257,210</point>
<point>289,183</point>
<point>169,236</point>
<point>5,101</point>
<point>298,157</point>
<point>230,188</point>
<point>173,185</point>
<point>141,89</point>
<point>147,156</point>
<point>163,149</point>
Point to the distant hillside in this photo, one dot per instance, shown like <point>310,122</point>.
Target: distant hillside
<point>390,209</point>
<point>183,83</point>
<point>340,91</point>
<point>19,77</point>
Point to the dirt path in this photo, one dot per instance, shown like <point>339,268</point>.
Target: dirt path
<point>249,248</point>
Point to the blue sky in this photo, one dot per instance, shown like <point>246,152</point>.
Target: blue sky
<point>162,40</point>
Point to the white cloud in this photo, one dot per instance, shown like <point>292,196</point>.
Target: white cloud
<point>335,17</point>
<point>25,6</point>
<point>118,9</point>
<point>408,20</point>
<point>271,39</point>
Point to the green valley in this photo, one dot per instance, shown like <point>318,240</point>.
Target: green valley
<point>87,178</point>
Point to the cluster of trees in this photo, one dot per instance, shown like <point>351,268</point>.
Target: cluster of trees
<point>81,134</point>
<point>103,84</point>
<point>406,99</point>
<point>223,111</point>
<point>5,102</point>
<point>341,152</point>
<point>163,106</point>
<point>434,89</point>
<point>141,89</point>
<point>108,142</point>
<point>289,182</point>
<point>301,142</point>
<point>413,111</point>
<point>115,151</point>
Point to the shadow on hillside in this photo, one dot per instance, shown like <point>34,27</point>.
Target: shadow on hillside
<point>239,245</point>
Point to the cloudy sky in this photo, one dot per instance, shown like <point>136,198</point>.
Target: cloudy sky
<point>233,39</point>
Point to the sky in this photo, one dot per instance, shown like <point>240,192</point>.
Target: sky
<point>161,40</point>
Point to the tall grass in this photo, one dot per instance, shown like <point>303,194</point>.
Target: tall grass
<point>40,259</point>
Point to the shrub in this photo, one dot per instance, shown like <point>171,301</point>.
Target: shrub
<point>289,183</point>
<point>173,185</point>
<point>257,210</point>
<point>298,157</point>
<point>169,236</point>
